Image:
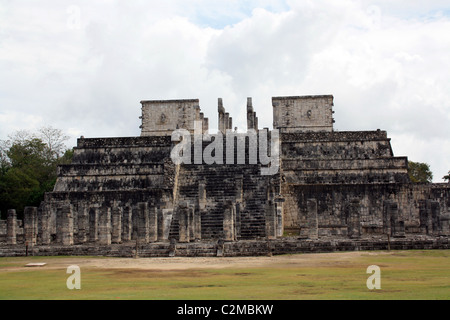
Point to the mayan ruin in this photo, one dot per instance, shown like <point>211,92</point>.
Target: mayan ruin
<point>300,187</point>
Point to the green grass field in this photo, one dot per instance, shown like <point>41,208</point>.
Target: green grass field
<point>404,275</point>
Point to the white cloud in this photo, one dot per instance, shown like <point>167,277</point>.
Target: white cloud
<point>85,65</point>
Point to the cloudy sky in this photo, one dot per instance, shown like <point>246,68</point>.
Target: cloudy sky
<point>83,66</point>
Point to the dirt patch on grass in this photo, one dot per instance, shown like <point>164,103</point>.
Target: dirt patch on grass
<point>339,259</point>
<point>180,263</point>
<point>310,260</point>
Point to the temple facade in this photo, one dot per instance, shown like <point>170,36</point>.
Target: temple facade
<point>301,180</point>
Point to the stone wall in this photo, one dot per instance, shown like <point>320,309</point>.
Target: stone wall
<point>420,209</point>
<point>100,196</point>
<point>341,158</point>
<point>303,114</point>
<point>116,164</point>
<point>162,117</point>
<point>226,249</point>
<point>11,229</point>
<point>352,176</point>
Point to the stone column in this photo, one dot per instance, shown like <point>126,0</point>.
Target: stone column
<point>83,223</point>
<point>68,225</point>
<point>52,210</point>
<point>271,220</point>
<point>74,208</point>
<point>237,222</point>
<point>250,115</point>
<point>226,122</point>
<point>143,222</point>
<point>311,228</point>
<point>153,224</point>
<point>445,225</point>
<point>201,209</point>
<point>423,216</point>
<point>229,218</point>
<point>433,212</point>
<point>221,113</point>
<point>11,227</point>
<point>93,224</point>
<point>397,223</point>
<point>127,226</point>
<point>183,220</point>
<point>160,224</point>
<point>44,225</point>
<point>279,216</point>
<point>165,225</point>
<point>197,232</point>
<point>387,212</point>
<point>59,224</point>
<point>205,125</point>
<point>201,195</point>
<point>238,204</point>
<point>353,220</point>
<point>30,225</point>
<point>191,223</point>
<point>104,226</point>
<point>39,225</point>
<point>393,225</point>
<point>64,225</point>
<point>134,222</point>
<point>116,220</point>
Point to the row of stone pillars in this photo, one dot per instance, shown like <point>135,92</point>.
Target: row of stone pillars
<point>311,229</point>
<point>142,223</point>
<point>274,217</point>
<point>431,221</point>
<point>189,222</point>
<point>11,227</point>
<point>30,226</point>
<point>104,225</point>
<point>392,223</point>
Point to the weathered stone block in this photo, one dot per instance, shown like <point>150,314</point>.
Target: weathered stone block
<point>104,225</point>
<point>30,225</point>
<point>11,227</point>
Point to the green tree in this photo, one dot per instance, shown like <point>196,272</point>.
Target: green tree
<point>17,189</point>
<point>4,162</point>
<point>28,167</point>
<point>447,177</point>
<point>419,172</point>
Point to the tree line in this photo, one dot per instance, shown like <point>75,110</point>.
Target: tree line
<point>28,167</point>
<point>421,172</point>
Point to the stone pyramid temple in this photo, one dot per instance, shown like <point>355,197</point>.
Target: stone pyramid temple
<point>321,190</point>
